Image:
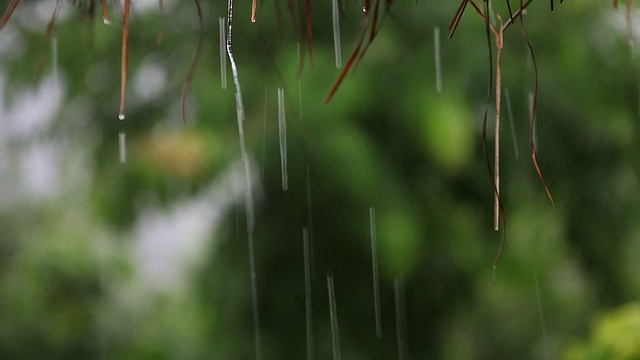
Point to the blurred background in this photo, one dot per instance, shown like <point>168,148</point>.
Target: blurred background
<point>128,239</point>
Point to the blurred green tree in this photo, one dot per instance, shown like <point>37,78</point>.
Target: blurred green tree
<point>72,261</point>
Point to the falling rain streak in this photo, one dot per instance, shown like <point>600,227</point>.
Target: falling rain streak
<point>398,285</point>
<point>333,312</point>
<point>54,52</point>
<point>223,54</point>
<point>282,128</point>
<point>307,293</point>
<point>513,128</point>
<point>374,264</point>
<point>264,131</point>
<point>122,142</point>
<point>299,85</point>
<point>336,34</point>
<point>542,323</point>
<point>313,273</point>
<point>436,44</point>
<point>248,188</point>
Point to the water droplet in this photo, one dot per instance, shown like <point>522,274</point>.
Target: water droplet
<point>106,21</point>
<point>121,116</point>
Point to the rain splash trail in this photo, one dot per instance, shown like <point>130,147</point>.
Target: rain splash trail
<point>248,186</point>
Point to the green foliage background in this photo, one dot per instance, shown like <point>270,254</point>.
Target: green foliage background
<point>388,140</point>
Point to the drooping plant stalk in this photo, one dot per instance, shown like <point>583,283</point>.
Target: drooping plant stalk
<point>361,47</point>
<point>11,7</point>
<point>161,30</point>
<point>254,7</point>
<point>629,22</point>
<point>532,119</point>
<point>105,13</point>
<point>310,33</point>
<point>194,64</point>
<point>125,57</point>
<point>496,162</point>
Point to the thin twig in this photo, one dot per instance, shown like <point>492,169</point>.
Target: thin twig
<point>125,57</point>
<point>194,64</point>
<point>532,119</point>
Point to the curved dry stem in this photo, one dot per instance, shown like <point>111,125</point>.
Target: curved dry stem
<point>345,70</point>
<point>194,64</point>
<point>485,148</point>
<point>496,161</point>
<point>47,37</point>
<point>375,27</point>
<point>629,22</point>
<point>254,6</point>
<point>453,25</point>
<point>105,13</point>
<point>310,34</point>
<point>125,57</point>
<point>516,15</point>
<point>8,13</point>
<point>161,30</point>
<point>534,154</point>
<point>362,45</point>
